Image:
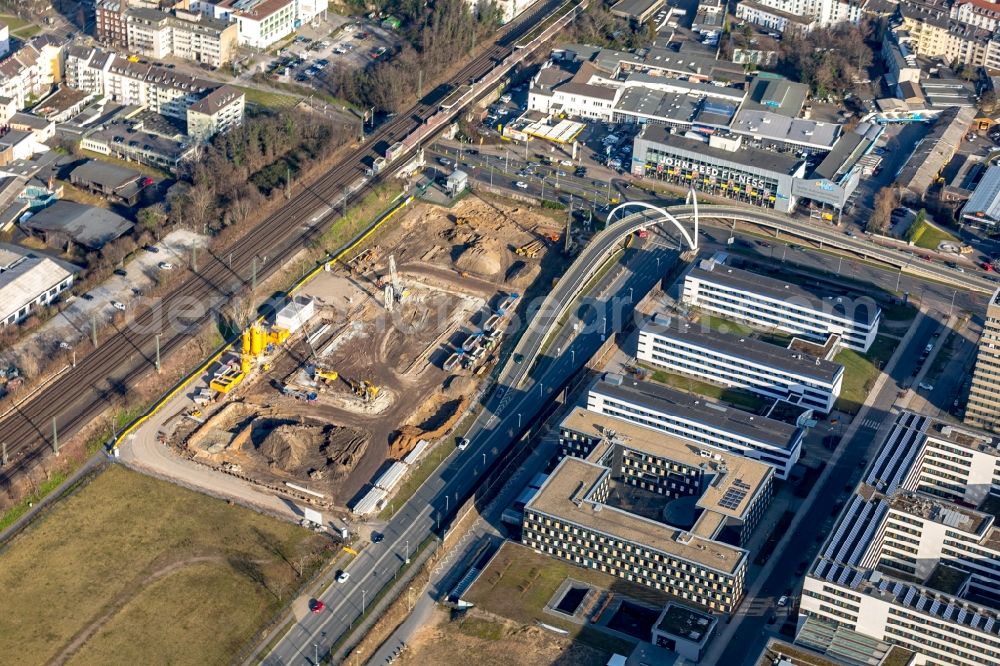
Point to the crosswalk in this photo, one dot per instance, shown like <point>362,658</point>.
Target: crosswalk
<point>871,424</point>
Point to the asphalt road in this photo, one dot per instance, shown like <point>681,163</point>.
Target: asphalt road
<point>493,431</point>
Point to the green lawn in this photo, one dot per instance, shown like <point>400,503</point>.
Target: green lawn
<point>268,99</point>
<point>720,325</point>
<point>926,235</point>
<point>736,397</point>
<point>861,371</point>
<point>519,583</point>
<point>15,23</point>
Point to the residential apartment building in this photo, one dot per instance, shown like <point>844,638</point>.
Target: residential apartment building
<point>914,559</point>
<point>31,71</point>
<point>672,467</point>
<point>695,419</point>
<point>161,90</point>
<point>742,361</point>
<point>824,12</point>
<point>978,13</point>
<point>983,407</point>
<point>29,282</point>
<point>189,35</point>
<point>770,18</point>
<point>110,26</point>
<point>218,111</point>
<point>933,34</point>
<point>769,303</point>
<point>571,517</point>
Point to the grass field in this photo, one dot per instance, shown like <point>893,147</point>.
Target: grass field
<point>268,99</point>
<point>861,371</point>
<point>926,235</point>
<point>520,582</point>
<point>742,399</point>
<point>132,569</point>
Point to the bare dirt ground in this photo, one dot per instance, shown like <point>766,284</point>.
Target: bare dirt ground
<point>453,267</point>
<point>488,640</point>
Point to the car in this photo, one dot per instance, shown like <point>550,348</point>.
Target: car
<point>64,345</point>
<point>317,606</point>
<point>166,266</point>
<point>850,234</point>
<point>151,248</point>
<point>929,347</point>
<point>521,185</point>
<point>120,271</point>
<point>763,244</point>
<point>518,359</point>
<point>580,172</point>
<point>782,601</point>
<point>377,537</point>
<point>87,297</point>
<point>566,162</point>
<point>925,386</point>
<point>926,257</point>
<point>986,266</point>
<point>117,305</point>
<point>463,444</point>
<point>136,291</point>
<point>444,161</point>
<point>959,269</point>
<point>342,576</point>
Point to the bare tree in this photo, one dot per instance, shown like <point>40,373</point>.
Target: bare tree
<point>886,200</point>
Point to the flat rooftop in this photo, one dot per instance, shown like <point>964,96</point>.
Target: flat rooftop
<point>565,495</point>
<point>751,474</point>
<point>696,409</point>
<point>964,437</point>
<point>938,510</point>
<point>687,623</point>
<point>764,160</point>
<point>634,8</point>
<point>755,283</point>
<point>771,126</point>
<point>748,348</point>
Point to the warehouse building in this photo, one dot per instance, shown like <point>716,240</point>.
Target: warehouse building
<point>742,361</point>
<point>914,558</point>
<point>769,303</point>
<point>719,165</point>
<point>571,516</point>
<point>695,419</point>
<point>29,281</point>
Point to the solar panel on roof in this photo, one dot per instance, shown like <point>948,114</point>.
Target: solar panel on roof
<point>732,498</point>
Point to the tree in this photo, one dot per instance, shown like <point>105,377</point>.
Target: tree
<point>152,218</point>
<point>886,200</point>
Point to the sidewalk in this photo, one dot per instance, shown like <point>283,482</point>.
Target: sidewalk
<point>725,636</point>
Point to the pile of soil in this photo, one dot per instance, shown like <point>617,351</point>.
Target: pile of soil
<point>482,257</point>
<point>286,446</point>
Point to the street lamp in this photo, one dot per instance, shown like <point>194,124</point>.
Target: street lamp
<point>362,602</point>
<point>315,653</point>
<point>484,459</point>
<point>407,551</point>
<point>572,356</point>
<point>518,420</point>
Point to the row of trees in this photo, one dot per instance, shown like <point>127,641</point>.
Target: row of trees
<point>239,170</point>
<point>439,34</point>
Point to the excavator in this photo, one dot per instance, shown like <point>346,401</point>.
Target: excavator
<point>364,389</point>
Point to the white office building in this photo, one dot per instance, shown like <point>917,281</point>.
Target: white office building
<point>824,12</point>
<point>745,362</point>
<point>773,304</point>
<point>914,559</point>
<point>691,417</point>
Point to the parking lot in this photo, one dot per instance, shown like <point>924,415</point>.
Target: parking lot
<point>351,45</point>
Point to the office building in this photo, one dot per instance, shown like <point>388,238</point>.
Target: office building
<point>770,18</point>
<point>29,281</point>
<point>983,407</point>
<point>914,557</point>
<point>264,22</point>
<point>571,517</point>
<point>741,361</point>
<point>697,420</point>
<point>163,91</point>
<point>769,303</point>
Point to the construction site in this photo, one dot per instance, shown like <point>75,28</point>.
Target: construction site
<point>376,359</point>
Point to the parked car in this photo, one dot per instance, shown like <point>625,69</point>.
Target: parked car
<point>463,444</point>
<point>924,386</point>
<point>521,185</point>
<point>317,606</point>
<point>120,271</point>
<point>166,266</point>
<point>117,305</point>
<point>342,576</point>
<point>782,601</point>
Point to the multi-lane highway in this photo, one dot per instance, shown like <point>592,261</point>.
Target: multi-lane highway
<point>103,376</point>
<point>519,396</point>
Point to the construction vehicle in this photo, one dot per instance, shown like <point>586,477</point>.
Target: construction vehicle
<point>327,376</point>
<point>551,236</point>
<point>530,250</point>
<point>397,286</point>
<point>364,389</point>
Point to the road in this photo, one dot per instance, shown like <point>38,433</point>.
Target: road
<point>103,376</point>
<point>493,431</point>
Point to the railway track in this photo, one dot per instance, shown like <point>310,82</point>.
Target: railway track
<point>103,376</point>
